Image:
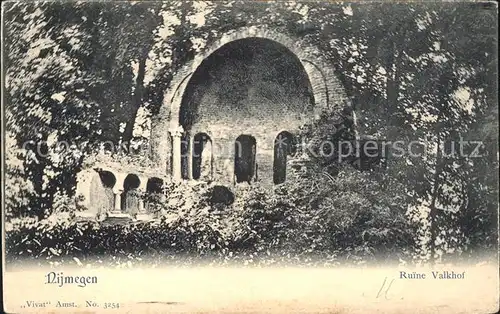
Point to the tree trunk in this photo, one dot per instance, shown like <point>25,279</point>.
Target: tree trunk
<point>433,210</point>
<point>136,101</point>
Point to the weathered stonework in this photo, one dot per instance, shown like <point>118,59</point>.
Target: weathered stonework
<point>259,123</point>
<point>328,92</point>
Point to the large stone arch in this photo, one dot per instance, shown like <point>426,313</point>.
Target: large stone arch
<point>326,87</point>
<point>328,92</point>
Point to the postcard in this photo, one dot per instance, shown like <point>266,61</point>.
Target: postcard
<point>250,157</point>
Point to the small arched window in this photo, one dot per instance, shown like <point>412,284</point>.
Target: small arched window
<point>244,159</point>
<point>130,196</point>
<point>202,157</point>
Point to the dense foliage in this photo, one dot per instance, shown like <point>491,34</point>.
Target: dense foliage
<point>296,223</point>
<point>82,72</point>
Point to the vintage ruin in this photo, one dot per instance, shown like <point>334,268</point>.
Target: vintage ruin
<point>220,120</point>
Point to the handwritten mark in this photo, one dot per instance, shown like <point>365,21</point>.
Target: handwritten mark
<point>160,302</point>
<point>386,289</point>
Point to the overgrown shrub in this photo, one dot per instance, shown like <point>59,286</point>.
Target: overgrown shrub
<point>346,218</point>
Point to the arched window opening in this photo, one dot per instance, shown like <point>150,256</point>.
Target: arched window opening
<point>202,157</point>
<point>102,197</point>
<point>244,159</point>
<point>284,146</point>
<point>130,196</point>
<point>154,191</point>
<point>108,179</point>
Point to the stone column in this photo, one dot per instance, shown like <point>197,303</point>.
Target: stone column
<point>118,199</point>
<point>176,134</point>
<point>141,204</point>
<point>190,156</point>
<point>142,191</point>
<point>142,212</point>
<point>117,191</point>
<point>224,160</point>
